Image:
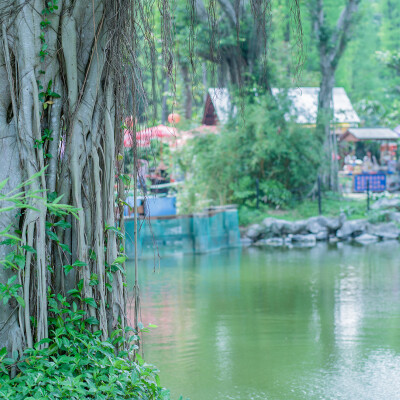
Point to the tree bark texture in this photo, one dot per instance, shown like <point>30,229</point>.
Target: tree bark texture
<point>62,71</point>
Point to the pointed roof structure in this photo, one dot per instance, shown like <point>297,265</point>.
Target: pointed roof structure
<point>218,107</point>
<point>359,134</point>
<point>304,108</point>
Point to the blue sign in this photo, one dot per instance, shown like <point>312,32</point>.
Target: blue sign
<point>377,182</point>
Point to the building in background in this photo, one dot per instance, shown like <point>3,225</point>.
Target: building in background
<point>218,107</point>
<point>303,108</point>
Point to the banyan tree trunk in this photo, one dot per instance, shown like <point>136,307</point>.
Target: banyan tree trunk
<point>62,90</point>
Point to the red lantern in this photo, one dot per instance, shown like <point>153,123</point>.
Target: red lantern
<point>174,118</point>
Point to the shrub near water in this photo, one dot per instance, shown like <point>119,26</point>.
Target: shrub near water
<point>74,363</point>
<point>262,149</point>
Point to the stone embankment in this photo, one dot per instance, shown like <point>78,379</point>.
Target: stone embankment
<point>306,233</point>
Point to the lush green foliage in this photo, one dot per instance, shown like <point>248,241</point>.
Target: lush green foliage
<point>74,363</point>
<point>225,168</point>
<point>366,69</point>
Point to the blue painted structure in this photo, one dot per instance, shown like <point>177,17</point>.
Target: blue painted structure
<point>377,182</point>
<point>184,234</point>
<point>154,206</point>
<point>160,206</point>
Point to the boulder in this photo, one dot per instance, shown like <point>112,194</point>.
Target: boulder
<point>333,224</point>
<point>352,228</point>
<point>316,224</point>
<point>267,223</point>
<point>386,231</point>
<point>255,231</point>
<point>245,241</point>
<point>278,226</point>
<point>322,235</point>
<point>287,228</point>
<point>274,242</point>
<point>366,238</point>
<point>385,203</point>
<point>304,240</point>
<point>299,226</point>
<point>394,216</point>
<point>288,240</point>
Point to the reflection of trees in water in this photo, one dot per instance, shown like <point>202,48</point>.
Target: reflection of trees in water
<point>273,320</point>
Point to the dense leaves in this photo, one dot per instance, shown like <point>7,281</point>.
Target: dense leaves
<point>74,363</point>
<point>262,147</point>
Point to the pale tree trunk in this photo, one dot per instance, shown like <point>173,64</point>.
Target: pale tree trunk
<point>324,122</point>
<point>10,332</point>
<point>331,47</point>
<point>74,89</point>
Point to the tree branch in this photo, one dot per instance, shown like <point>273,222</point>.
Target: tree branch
<point>343,26</point>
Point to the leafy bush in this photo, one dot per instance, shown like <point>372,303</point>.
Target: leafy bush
<point>225,167</point>
<point>74,363</point>
<point>275,193</point>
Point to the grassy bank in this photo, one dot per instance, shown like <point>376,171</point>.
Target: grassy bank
<point>332,205</point>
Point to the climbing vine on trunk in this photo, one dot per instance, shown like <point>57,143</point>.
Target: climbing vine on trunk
<point>64,68</point>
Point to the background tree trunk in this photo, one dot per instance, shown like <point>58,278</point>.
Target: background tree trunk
<point>331,45</point>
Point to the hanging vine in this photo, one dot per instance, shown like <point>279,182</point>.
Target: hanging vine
<point>66,71</point>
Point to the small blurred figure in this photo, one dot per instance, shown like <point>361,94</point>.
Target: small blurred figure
<point>143,172</point>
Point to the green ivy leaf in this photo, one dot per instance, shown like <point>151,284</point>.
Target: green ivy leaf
<point>119,260</point>
<point>45,340</point>
<point>52,236</point>
<point>66,248</point>
<point>94,280</point>
<point>90,301</point>
<point>20,300</point>
<point>120,268</point>
<point>78,263</point>
<point>92,255</point>
<point>67,269</point>
<point>63,224</point>
<point>109,287</point>
<point>92,321</point>
<point>11,280</point>
<point>19,259</point>
<point>54,95</point>
<point>3,352</point>
<point>29,248</point>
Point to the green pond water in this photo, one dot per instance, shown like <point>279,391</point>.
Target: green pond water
<point>321,323</point>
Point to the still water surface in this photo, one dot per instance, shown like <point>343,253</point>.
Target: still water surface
<point>321,323</point>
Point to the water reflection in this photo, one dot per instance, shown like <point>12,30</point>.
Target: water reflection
<point>276,324</point>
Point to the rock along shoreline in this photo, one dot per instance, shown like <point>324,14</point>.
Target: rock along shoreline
<point>275,232</point>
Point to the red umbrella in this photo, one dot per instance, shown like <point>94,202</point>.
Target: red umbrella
<point>144,137</point>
